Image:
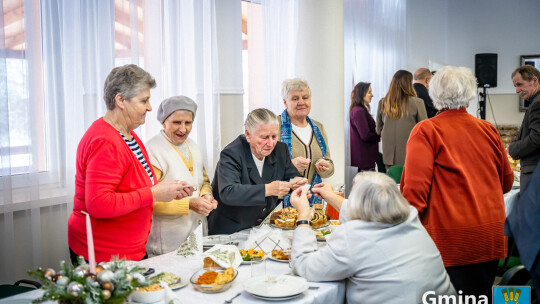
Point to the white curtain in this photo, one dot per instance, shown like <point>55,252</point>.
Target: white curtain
<point>192,69</point>
<point>51,91</point>
<point>278,27</point>
<point>180,50</point>
<point>375,48</point>
<point>68,52</point>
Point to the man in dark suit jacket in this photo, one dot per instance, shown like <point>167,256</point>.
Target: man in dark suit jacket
<point>527,147</point>
<point>523,224</point>
<point>245,196</point>
<point>422,76</point>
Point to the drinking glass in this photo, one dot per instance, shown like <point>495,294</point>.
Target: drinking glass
<point>258,268</point>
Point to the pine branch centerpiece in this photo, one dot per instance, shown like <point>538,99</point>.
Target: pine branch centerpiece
<point>112,282</point>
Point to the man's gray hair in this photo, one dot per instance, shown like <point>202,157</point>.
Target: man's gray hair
<point>527,72</point>
<point>375,197</point>
<point>129,81</point>
<point>259,117</point>
<point>293,84</point>
<point>452,87</point>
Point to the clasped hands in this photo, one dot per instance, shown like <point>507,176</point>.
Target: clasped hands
<point>280,188</point>
<point>167,191</point>
<point>302,163</point>
<point>300,197</point>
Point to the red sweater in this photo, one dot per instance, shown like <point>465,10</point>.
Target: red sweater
<point>456,171</point>
<point>113,187</point>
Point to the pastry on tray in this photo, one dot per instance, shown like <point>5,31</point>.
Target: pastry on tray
<point>286,217</point>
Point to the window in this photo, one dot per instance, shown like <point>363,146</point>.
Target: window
<point>24,146</point>
<point>23,129</point>
<point>128,45</point>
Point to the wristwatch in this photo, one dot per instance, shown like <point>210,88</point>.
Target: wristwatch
<point>303,222</point>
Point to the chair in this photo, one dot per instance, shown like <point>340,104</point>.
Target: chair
<point>515,276</point>
<point>7,290</point>
<point>395,173</point>
<point>380,164</point>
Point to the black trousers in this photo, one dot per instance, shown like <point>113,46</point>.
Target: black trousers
<point>474,279</point>
<point>73,257</point>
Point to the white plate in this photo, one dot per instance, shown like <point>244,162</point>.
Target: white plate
<point>182,283</point>
<point>270,257</point>
<point>256,261</point>
<point>280,286</point>
<point>218,239</point>
<point>278,298</point>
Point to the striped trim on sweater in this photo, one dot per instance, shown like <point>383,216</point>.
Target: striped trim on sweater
<point>134,146</point>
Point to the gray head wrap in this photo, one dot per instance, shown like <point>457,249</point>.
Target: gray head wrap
<point>173,104</point>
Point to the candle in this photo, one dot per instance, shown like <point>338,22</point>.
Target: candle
<point>90,244</point>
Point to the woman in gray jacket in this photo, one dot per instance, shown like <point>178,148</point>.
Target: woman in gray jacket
<point>397,114</point>
<point>381,247</point>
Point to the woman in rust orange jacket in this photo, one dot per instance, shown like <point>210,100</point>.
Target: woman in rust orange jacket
<point>456,172</point>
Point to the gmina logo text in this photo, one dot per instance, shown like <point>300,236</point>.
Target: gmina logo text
<point>430,297</point>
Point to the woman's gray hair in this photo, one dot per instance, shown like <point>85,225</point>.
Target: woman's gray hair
<point>259,117</point>
<point>452,87</point>
<point>293,84</point>
<point>375,197</point>
<point>128,80</point>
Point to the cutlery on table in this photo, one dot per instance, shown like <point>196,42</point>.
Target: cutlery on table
<point>231,299</point>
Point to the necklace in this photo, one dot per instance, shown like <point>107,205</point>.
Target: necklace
<point>115,125</point>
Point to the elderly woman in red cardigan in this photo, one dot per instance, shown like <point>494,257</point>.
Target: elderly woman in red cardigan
<point>456,172</point>
<point>115,183</point>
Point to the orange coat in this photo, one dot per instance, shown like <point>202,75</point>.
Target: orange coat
<point>455,174</point>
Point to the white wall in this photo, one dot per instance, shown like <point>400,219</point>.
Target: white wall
<point>229,37</point>
<point>320,62</point>
<point>452,32</point>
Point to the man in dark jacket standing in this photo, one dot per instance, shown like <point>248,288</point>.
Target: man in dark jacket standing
<point>422,76</point>
<point>527,147</point>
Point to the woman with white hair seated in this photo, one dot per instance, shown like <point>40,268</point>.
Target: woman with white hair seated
<point>455,174</point>
<point>174,156</point>
<point>253,171</point>
<point>380,248</point>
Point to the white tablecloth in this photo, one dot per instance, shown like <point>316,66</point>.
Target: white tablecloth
<point>328,292</point>
<point>510,199</point>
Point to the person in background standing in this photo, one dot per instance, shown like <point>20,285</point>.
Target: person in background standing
<point>398,112</point>
<point>422,76</point>
<point>364,138</point>
<point>455,174</point>
<point>305,137</point>
<point>527,147</point>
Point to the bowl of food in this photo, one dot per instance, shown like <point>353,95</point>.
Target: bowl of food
<point>251,255</point>
<point>213,279</point>
<point>148,294</point>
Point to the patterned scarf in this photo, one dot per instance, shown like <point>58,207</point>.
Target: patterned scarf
<point>286,137</point>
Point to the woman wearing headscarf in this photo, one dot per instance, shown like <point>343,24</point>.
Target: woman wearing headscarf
<point>455,174</point>
<point>174,156</point>
<point>115,183</point>
<point>398,112</point>
<point>305,137</point>
<point>364,138</point>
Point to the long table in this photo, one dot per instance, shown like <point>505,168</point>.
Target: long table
<point>327,292</point>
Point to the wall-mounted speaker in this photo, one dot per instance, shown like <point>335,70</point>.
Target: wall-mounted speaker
<point>485,69</point>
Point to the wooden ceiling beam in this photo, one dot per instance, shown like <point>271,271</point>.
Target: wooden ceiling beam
<point>13,16</point>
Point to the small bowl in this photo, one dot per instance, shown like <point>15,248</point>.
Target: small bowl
<point>147,296</point>
<point>211,288</point>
